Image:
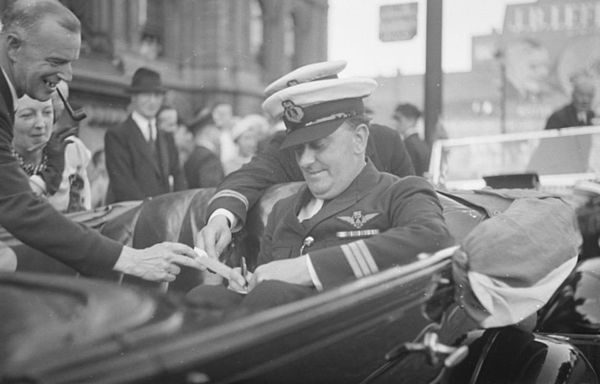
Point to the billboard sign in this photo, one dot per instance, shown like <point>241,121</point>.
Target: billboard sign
<point>398,22</point>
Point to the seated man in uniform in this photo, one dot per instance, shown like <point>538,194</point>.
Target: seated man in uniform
<point>349,220</point>
<point>240,190</point>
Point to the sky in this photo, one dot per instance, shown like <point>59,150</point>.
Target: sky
<point>354,35</point>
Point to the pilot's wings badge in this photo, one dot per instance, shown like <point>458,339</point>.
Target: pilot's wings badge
<point>358,219</point>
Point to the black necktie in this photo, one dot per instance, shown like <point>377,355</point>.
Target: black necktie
<point>151,137</point>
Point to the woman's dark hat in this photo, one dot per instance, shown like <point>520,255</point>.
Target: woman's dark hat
<point>146,81</point>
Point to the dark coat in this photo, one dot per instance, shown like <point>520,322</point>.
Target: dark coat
<point>419,153</point>
<point>378,222</point>
<point>34,221</point>
<point>241,189</point>
<point>203,168</point>
<point>567,117</point>
<point>136,170</point>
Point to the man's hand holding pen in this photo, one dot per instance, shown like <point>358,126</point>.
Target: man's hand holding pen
<point>239,277</point>
<point>238,282</point>
<point>245,272</point>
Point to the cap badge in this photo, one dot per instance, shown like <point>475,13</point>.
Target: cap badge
<point>292,112</point>
<point>358,219</point>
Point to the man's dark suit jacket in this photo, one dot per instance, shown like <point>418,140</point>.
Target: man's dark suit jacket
<point>567,117</point>
<point>419,153</point>
<point>35,222</point>
<point>203,169</point>
<point>135,170</point>
<point>241,189</point>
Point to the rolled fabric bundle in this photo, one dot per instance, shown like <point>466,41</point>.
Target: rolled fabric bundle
<point>509,266</point>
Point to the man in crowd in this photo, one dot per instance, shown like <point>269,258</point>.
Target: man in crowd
<point>167,119</point>
<point>222,114</point>
<point>241,189</point>
<point>141,160</point>
<point>39,41</point>
<point>349,220</point>
<point>579,112</point>
<point>203,168</point>
<point>407,116</point>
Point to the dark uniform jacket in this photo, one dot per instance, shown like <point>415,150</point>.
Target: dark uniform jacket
<point>35,222</point>
<point>203,168</point>
<point>419,153</point>
<point>138,170</point>
<point>567,117</point>
<point>241,189</point>
<point>380,221</point>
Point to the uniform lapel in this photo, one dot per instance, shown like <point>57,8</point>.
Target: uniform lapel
<point>302,198</point>
<point>359,188</point>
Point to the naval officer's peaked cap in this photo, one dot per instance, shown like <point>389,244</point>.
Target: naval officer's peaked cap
<point>314,110</point>
<point>310,72</point>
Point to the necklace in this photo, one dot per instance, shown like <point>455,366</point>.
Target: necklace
<point>30,168</point>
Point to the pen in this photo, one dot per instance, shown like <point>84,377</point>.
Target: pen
<point>244,271</point>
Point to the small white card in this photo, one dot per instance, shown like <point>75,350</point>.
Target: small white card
<point>213,264</point>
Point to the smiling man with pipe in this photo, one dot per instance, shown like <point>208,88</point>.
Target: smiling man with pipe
<point>38,43</point>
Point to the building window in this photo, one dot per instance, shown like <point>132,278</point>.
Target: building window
<point>256,34</point>
<point>289,42</point>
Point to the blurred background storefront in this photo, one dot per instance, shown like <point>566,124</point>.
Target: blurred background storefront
<point>210,51</point>
<point>519,74</point>
<point>207,51</point>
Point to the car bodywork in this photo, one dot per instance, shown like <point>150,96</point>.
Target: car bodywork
<point>560,157</point>
<point>400,325</point>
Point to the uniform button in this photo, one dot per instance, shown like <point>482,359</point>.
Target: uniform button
<point>308,241</point>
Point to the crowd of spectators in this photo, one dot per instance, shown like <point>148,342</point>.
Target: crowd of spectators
<point>176,153</point>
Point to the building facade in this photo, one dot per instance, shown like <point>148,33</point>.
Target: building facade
<point>207,51</point>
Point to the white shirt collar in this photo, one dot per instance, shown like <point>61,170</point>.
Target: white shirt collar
<point>310,209</point>
<point>142,124</point>
<point>13,91</point>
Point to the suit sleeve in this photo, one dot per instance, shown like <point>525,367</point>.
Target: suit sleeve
<point>266,242</point>
<point>417,226</point>
<point>34,222</point>
<point>120,168</point>
<point>241,189</point>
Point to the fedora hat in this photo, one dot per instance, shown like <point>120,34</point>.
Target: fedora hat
<point>146,81</point>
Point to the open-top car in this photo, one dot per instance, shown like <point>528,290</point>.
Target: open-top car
<point>401,325</point>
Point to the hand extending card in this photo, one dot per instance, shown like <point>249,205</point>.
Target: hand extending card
<point>212,264</point>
